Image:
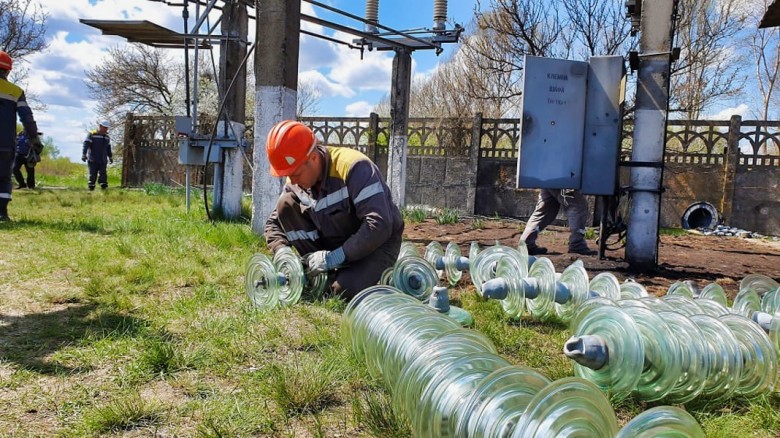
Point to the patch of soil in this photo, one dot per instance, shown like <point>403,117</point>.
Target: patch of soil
<point>703,259</point>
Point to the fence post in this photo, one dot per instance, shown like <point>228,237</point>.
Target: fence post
<point>730,168</point>
<point>127,145</point>
<point>476,142</point>
<point>373,134</point>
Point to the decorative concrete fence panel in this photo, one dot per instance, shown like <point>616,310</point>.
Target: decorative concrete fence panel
<point>470,164</point>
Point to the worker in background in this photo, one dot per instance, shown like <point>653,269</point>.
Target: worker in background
<point>97,153</point>
<point>27,157</point>
<point>335,210</point>
<point>550,201</point>
<point>12,104</point>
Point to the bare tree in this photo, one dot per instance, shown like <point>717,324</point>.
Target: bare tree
<point>22,28</point>
<point>491,57</point>
<point>765,47</point>
<point>509,30</point>
<point>135,78</point>
<point>309,98</point>
<point>708,68</point>
<point>600,27</point>
<point>22,33</point>
<point>766,53</point>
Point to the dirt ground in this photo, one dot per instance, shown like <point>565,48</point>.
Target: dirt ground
<point>704,259</point>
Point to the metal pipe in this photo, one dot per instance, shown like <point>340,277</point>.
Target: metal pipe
<point>195,75</point>
<point>186,15</point>
<point>652,103</point>
<point>205,14</point>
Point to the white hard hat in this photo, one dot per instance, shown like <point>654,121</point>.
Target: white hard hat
<point>105,123</point>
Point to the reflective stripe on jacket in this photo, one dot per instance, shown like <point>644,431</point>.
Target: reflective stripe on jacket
<point>351,207</point>
<point>13,103</point>
<point>97,147</point>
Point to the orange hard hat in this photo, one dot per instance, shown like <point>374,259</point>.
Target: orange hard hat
<point>6,63</point>
<point>288,145</point>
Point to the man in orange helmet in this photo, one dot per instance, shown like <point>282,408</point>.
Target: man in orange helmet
<point>335,209</point>
<point>12,103</point>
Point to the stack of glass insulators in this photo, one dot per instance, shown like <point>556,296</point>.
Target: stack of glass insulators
<point>281,280</point>
<point>502,273</point>
<point>418,278</point>
<point>674,348</point>
<point>448,263</point>
<point>449,381</point>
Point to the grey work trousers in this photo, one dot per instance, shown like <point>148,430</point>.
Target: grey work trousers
<point>550,201</point>
<point>356,275</point>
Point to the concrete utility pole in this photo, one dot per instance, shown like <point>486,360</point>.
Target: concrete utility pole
<point>399,114</point>
<point>652,102</point>
<point>276,73</point>
<point>235,23</point>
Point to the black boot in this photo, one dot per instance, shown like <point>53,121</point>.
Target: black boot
<point>31,177</point>
<point>4,210</point>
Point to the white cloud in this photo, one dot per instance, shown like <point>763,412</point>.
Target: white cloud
<point>325,86</point>
<point>739,110</point>
<point>57,75</point>
<point>315,53</point>
<point>72,10</point>
<point>359,109</point>
<point>373,72</point>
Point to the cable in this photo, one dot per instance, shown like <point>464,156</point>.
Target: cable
<point>214,129</point>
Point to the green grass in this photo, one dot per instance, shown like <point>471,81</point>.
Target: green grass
<point>124,314</point>
<point>374,410</point>
<point>414,215</point>
<point>126,412</point>
<point>61,172</point>
<point>447,216</point>
<point>672,232</point>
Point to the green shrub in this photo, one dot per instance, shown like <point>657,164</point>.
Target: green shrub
<point>414,215</point>
<point>447,216</point>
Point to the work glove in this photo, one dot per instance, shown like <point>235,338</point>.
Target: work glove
<point>32,157</point>
<point>37,145</point>
<point>323,261</point>
<point>84,158</point>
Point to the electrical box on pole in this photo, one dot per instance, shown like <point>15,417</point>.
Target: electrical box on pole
<point>571,124</point>
<point>553,123</point>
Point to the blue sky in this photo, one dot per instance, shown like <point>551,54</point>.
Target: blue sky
<point>348,85</point>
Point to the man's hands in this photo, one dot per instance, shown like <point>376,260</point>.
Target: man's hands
<point>110,160</point>
<point>324,261</point>
<point>84,158</point>
<point>317,262</point>
<point>37,145</point>
<point>32,157</point>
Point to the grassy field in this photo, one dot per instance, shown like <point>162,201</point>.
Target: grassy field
<point>122,315</point>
